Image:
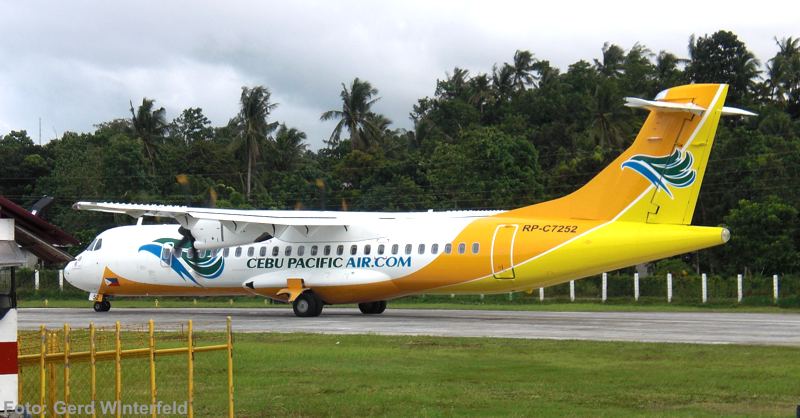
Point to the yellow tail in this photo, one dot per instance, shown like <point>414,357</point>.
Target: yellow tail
<point>657,179</point>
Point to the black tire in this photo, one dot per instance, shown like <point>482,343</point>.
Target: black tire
<point>103,306</point>
<point>372,308</point>
<point>307,305</point>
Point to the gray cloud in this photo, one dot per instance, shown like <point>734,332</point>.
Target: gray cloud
<point>77,63</point>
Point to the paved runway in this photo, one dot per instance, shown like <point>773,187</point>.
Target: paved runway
<point>679,327</point>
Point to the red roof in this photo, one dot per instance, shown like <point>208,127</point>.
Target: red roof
<point>35,234</point>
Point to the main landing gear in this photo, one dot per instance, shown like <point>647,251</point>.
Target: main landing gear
<point>372,308</point>
<point>307,305</point>
<point>102,306</point>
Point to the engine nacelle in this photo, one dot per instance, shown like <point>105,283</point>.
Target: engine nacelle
<point>210,234</point>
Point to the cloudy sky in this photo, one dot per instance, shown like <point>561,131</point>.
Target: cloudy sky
<point>77,63</point>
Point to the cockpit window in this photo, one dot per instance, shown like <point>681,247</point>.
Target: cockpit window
<point>91,245</point>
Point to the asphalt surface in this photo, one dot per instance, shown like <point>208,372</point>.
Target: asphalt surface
<point>673,327</point>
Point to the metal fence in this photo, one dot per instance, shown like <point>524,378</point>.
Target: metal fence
<point>126,371</point>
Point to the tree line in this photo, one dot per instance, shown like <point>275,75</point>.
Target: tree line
<point>522,133</point>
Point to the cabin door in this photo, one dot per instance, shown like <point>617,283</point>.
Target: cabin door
<point>502,257</point>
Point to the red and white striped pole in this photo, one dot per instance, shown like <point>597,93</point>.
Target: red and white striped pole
<point>9,369</point>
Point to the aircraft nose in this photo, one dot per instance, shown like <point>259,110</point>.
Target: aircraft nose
<point>77,276</point>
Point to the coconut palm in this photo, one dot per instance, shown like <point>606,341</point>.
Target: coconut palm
<point>287,148</point>
<point>253,124</point>
<point>523,70</point>
<point>149,125</point>
<point>784,74</point>
<point>613,64</point>
<point>357,102</point>
<point>503,81</point>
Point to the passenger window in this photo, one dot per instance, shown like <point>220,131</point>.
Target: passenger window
<point>435,249</point>
<point>238,251</point>
<point>339,249</point>
<point>301,250</point>
<point>326,250</point>
<point>226,252</point>
<point>275,251</point>
<point>462,248</point>
<point>353,249</point>
<point>448,248</point>
<point>475,248</point>
<point>99,244</point>
<point>408,249</point>
<point>313,250</point>
<point>421,249</point>
<point>251,251</point>
<point>395,249</point>
<point>263,252</point>
<point>288,251</point>
<point>381,248</point>
<point>367,249</point>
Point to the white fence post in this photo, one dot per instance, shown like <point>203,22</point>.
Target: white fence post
<point>36,279</point>
<point>739,288</point>
<point>775,287</point>
<point>669,287</point>
<point>704,286</point>
<point>510,295</point>
<point>61,280</point>
<point>572,290</point>
<point>604,292</point>
<point>541,294</point>
<point>636,286</point>
<point>482,296</point>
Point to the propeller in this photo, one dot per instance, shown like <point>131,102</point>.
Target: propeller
<point>187,236</point>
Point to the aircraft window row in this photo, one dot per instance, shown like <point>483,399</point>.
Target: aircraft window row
<point>326,250</point>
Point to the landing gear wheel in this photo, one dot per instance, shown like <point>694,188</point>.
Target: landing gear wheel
<point>307,305</point>
<point>372,308</point>
<point>103,306</point>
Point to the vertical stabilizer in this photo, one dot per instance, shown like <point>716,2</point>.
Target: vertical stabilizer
<point>657,179</point>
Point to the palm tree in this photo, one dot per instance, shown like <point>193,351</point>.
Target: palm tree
<point>454,86</point>
<point>784,74</point>
<point>613,64</point>
<point>355,115</point>
<point>287,148</point>
<point>253,126</point>
<point>148,125</point>
<point>523,67</point>
<point>503,81</point>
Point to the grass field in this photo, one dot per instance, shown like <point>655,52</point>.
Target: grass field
<point>370,375</point>
<point>321,375</point>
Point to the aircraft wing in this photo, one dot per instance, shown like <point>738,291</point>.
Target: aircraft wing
<point>268,217</point>
<point>271,217</point>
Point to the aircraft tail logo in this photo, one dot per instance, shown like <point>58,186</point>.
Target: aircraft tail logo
<point>664,171</point>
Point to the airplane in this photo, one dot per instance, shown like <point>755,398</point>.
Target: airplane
<point>636,210</point>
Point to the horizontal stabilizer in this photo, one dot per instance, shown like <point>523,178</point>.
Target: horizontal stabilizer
<point>659,106</point>
<point>732,111</point>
